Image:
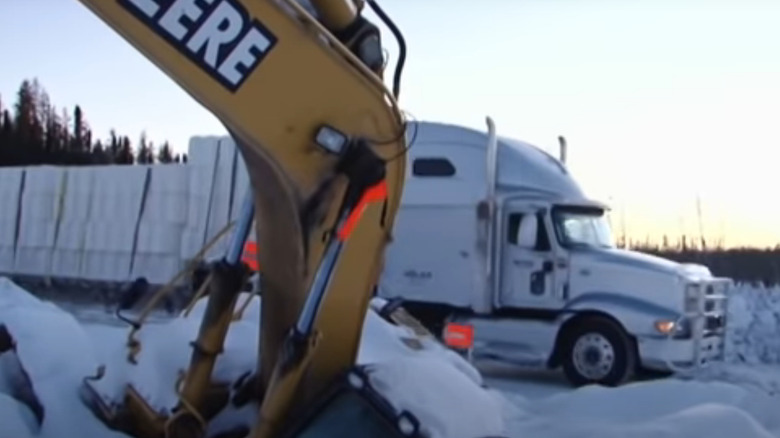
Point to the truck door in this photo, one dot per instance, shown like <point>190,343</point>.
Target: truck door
<point>528,274</point>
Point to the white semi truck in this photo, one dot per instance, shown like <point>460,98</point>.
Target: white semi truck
<point>495,233</point>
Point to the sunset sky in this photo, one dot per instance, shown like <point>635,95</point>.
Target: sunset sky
<point>662,101</point>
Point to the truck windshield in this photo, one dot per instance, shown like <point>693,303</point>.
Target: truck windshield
<point>582,226</point>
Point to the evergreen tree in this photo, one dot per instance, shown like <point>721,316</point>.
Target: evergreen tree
<point>152,158</point>
<point>5,152</point>
<point>165,154</point>
<point>113,147</point>
<point>34,131</point>
<point>68,146</point>
<point>53,143</point>
<point>98,154</point>
<point>7,130</point>
<point>79,131</point>
<point>126,155</point>
<point>144,155</point>
<point>24,112</point>
<point>45,112</point>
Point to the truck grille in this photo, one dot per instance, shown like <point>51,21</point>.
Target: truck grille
<point>711,301</point>
<point>715,322</point>
<point>715,297</point>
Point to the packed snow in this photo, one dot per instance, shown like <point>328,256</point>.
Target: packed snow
<point>754,318</point>
<point>449,395</point>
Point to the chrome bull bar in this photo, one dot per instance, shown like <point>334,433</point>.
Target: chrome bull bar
<point>715,291</point>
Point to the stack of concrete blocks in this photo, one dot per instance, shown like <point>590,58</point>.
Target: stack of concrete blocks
<point>212,162</point>
<point>157,250</point>
<point>10,196</point>
<point>221,197</point>
<point>201,165</point>
<point>112,222</point>
<point>241,188</point>
<point>68,254</point>
<point>42,200</point>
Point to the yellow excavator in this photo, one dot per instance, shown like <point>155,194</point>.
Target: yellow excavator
<point>300,89</point>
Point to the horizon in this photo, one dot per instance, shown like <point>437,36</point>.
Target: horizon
<point>662,109</point>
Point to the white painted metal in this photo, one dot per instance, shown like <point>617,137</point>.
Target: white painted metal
<point>441,243</point>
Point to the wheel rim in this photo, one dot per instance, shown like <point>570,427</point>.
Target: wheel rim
<point>593,356</point>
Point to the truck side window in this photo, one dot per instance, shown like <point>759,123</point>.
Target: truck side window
<point>542,238</point>
<point>513,227</point>
<point>433,167</point>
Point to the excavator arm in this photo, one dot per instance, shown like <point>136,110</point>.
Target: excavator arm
<point>323,140</point>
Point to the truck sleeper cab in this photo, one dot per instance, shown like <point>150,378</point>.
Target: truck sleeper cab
<point>539,278</point>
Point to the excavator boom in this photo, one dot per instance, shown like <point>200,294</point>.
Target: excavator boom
<point>323,141</point>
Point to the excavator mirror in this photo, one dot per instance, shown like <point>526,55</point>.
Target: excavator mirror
<point>353,409</point>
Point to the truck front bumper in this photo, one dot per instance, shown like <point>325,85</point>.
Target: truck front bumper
<point>657,353</point>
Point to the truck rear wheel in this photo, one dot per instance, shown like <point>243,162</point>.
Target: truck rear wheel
<point>597,350</point>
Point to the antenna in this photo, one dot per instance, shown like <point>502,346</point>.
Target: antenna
<point>562,143</point>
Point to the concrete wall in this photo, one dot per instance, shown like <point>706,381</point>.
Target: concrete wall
<point>115,223</point>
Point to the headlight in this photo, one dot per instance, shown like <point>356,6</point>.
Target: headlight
<point>665,326</point>
<point>692,294</point>
<point>331,139</point>
<point>679,329</point>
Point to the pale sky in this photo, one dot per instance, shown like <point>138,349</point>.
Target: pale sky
<point>661,100</point>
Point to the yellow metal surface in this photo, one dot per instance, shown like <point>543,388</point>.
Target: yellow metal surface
<point>272,83</point>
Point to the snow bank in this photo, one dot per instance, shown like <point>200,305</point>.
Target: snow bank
<point>59,353</point>
<point>668,408</point>
<point>754,326</point>
<point>446,400</point>
<point>752,352</point>
<point>56,354</point>
<point>441,388</point>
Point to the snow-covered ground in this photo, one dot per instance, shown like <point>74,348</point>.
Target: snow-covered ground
<point>735,399</point>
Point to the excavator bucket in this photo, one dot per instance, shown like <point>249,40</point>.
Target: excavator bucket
<point>136,418</point>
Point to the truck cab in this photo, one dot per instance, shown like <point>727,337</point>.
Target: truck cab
<point>506,241</point>
<point>541,239</point>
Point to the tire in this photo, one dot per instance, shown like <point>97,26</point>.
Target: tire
<point>431,317</point>
<point>598,351</point>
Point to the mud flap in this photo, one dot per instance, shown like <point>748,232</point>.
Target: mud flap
<point>353,408</point>
<point>15,376</point>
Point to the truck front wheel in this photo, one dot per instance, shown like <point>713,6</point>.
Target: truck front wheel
<point>597,350</point>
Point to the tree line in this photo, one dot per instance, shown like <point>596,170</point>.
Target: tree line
<point>757,266</point>
<point>33,131</point>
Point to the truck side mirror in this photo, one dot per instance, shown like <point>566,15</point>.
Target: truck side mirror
<point>526,234</point>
